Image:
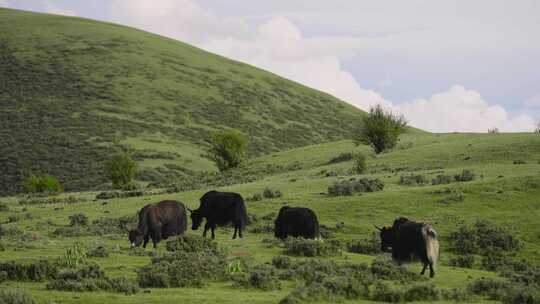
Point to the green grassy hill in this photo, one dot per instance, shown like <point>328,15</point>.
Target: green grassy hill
<point>505,191</point>
<point>72,90</point>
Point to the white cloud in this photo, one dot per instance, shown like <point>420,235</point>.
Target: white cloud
<point>462,110</point>
<point>277,44</point>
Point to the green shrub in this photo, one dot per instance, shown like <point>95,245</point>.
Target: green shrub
<point>349,187</point>
<point>455,196</point>
<point>255,197</point>
<point>384,292</point>
<point>464,176</point>
<point>369,246</point>
<point>45,184</point>
<point>281,262</point>
<point>271,193</point>
<point>493,288</point>
<point>78,219</point>
<point>228,149</point>
<point>15,296</point>
<point>99,251</point>
<point>183,269</point>
<point>34,270</point>
<point>442,179</point>
<point>123,285</point>
<point>119,194</point>
<point>262,277</point>
<point>3,276</point>
<point>412,180</point>
<point>193,244</point>
<point>483,237</point>
<point>381,129</point>
<point>4,207</point>
<point>359,163</point>
<point>386,269</point>
<point>120,170</point>
<point>312,248</point>
<point>519,162</point>
<point>462,261</point>
<point>422,292</point>
<point>13,218</point>
<point>457,295</point>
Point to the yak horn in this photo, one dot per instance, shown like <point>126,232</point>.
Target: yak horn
<point>378,228</point>
<point>190,211</point>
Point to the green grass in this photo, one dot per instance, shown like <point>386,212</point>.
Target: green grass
<point>73,90</point>
<point>504,193</point>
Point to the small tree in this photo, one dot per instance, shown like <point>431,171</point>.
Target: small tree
<point>228,149</point>
<point>45,184</point>
<point>121,170</point>
<point>359,163</point>
<point>381,129</point>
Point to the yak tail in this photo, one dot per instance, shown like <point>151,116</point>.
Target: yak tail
<point>432,244</point>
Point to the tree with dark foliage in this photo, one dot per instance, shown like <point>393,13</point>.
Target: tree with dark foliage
<point>381,129</point>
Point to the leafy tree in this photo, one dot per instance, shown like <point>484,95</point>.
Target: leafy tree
<point>228,149</point>
<point>359,163</point>
<point>45,184</point>
<point>381,129</point>
<point>121,170</point>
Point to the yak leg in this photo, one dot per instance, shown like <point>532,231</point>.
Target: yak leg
<point>431,271</point>
<point>235,231</point>
<point>145,241</point>
<point>424,268</point>
<point>156,237</point>
<point>206,227</point>
<point>240,231</point>
<point>213,228</point>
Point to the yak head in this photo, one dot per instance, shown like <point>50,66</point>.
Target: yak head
<point>387,237</point>
<point>196,218</point>
<point>135,237</point>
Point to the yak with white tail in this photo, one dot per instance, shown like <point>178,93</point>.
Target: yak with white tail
<point>411,241</point>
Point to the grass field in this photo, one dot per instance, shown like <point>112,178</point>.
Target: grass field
<point>506,191</point>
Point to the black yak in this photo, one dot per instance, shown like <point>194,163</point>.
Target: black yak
<point>296,221</point>
<point>220,209</point>
<point>411,241</point>
<point>159,221</point>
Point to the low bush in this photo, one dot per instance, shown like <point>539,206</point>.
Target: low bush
<point>455,196</point>
<point>422,292</point>
<point>3,276</point>
<point>384,292</point>
<point>263,277</point>
<point>45,184</point>
<point>312,248</point>
<point>193,244</point>
<point>462,261</point>
<point>519,162</point>
<point>483,237</point>
<point>492,288</point>
<point>412,180</point>
<point>119,194</point>
<point>369,246</point>
<point>349,187</point>
<point>271,193</point>
<point>15,296</point>
<point>13,218</point>
<point>386,269</point>
<point>34,270</point>
<point>442,179</point>
<point>98,252</point>
<point>32,201</point>
<point>78,219</point>
<point>263,228</point>
<point>281,262</point>
<point>342,157</point>
<point>464,176</point>
<point>4,207</point>
<point>183,269</point>
<point>91,278</point>
<point>255,197</point>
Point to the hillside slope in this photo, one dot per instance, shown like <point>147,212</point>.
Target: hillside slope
<point>72,90</point>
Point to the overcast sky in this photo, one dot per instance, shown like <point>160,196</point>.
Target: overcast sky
<point>446,65</point>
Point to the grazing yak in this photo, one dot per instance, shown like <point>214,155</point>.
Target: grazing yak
<point>159,221</point>
<point>411,241</point>
<point>220,209</point>
<point>296,221</point>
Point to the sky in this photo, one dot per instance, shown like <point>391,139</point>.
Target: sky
<point>447,66</point>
